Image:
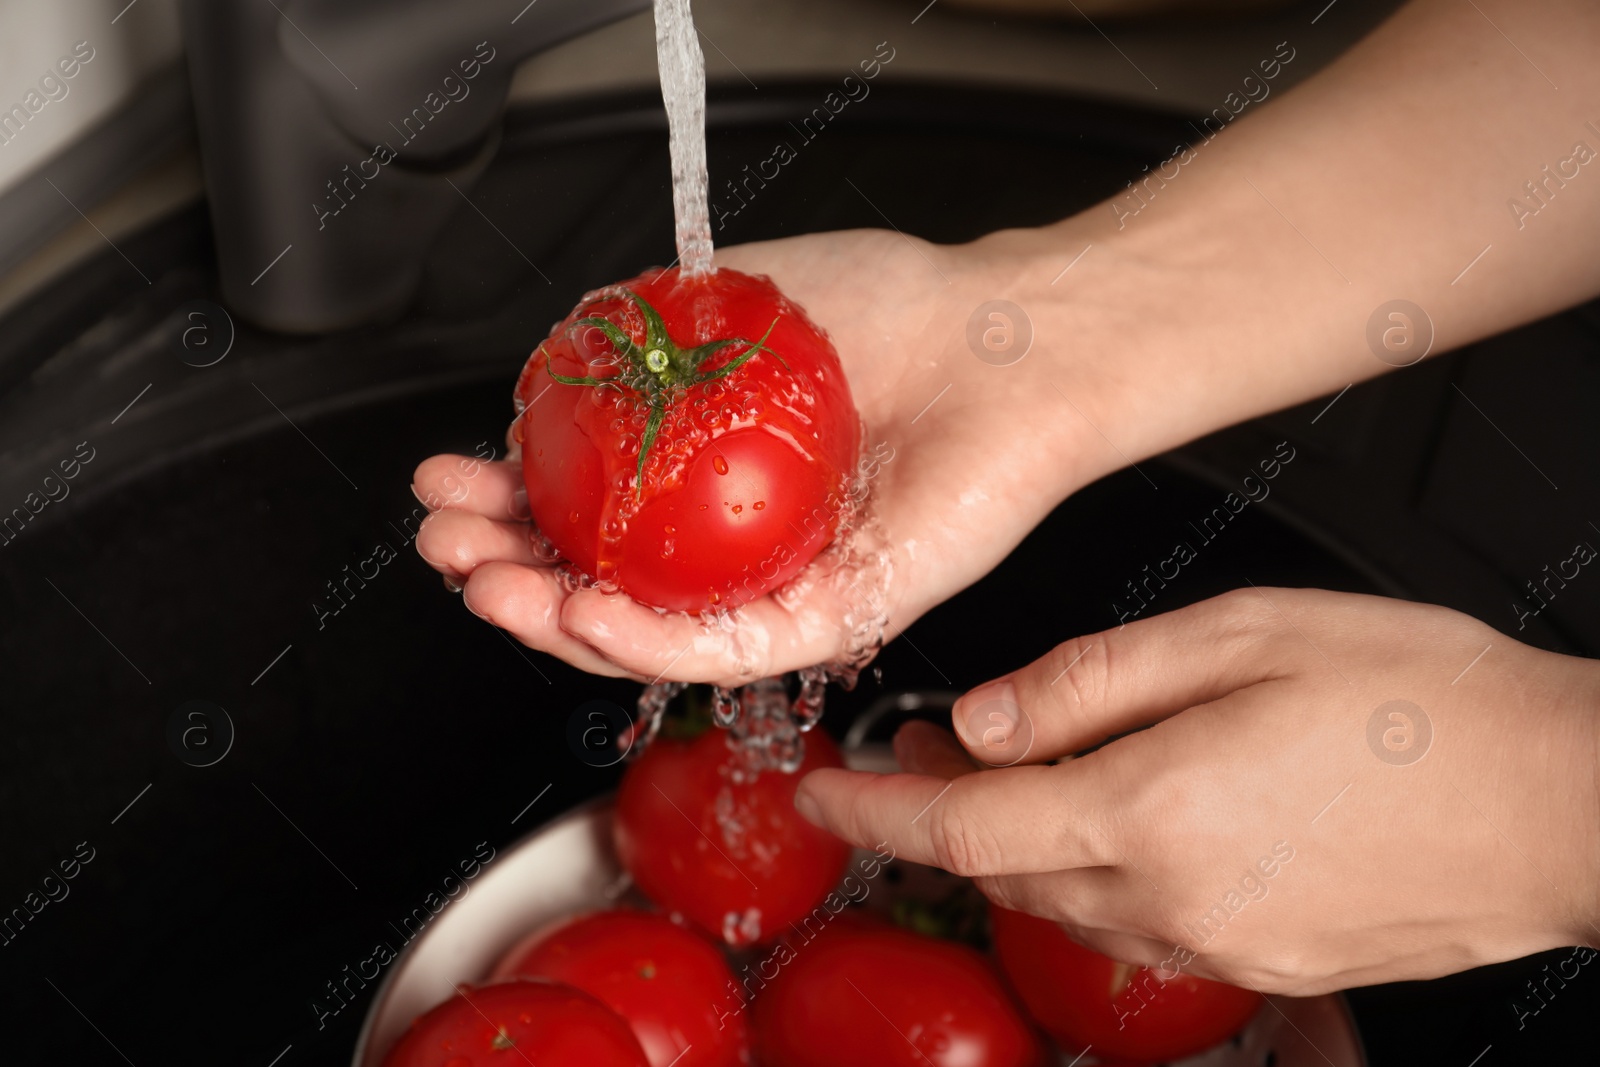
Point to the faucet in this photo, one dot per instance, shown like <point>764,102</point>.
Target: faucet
<point>338,136</point>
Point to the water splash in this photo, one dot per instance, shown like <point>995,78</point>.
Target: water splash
<point>650,710</point>
<point>765,724</point>
<point>682,67</point>
<point>725,706</point>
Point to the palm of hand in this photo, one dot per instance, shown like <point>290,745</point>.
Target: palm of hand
<point>953,483</point>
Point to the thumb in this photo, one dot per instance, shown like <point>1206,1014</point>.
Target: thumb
<point>1091,688</point>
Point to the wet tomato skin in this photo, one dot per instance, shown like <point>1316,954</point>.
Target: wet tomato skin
<point>700,843</point>
<point>868,994</point>
<point>510,1024</point>
<point>1082,998</point>
<point>748,477</point>
<point>665,979</point>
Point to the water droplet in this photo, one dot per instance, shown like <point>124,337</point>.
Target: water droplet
<point>669,529</point>
<point>724,706</point>
<point>738,508</point>
<point>573,518</point>
<point>544,550</point>
<point>518,432</point>
<point>759,504</point>
<point>719,465</point>
<point>702,507</point>
<point>652,706</point>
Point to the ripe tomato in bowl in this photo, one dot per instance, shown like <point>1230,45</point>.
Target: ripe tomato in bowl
<point>868,994</point>
<point>665,979</point>
<point>1132,1014</point>
<point>509,1024</point>
<point>687,440</point>
<point>728,853</point>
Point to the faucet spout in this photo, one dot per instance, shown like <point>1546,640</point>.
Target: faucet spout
<point>337,136</point>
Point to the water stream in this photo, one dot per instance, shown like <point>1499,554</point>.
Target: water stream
<point>682,67</point>
<point>764,721</point>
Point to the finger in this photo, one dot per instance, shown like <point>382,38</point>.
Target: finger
<point>526,602</point>
<point>766,638</point>
<point>1089,898</point>
<point>924,748</point>
<point>1012,822</point>
<point>494,490</point>
<point>1087,905</point>
<point>1091,688</point>
<point>456,543</point>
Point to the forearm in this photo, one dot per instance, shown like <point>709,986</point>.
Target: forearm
<point>1245,281</point>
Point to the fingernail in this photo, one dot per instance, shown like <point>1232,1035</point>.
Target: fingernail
<point>418,495</point>
<point>519,505</point>
<point>453,585</point>
<point>808,808</point>
<point>987,717</point>
<point>468,602</point>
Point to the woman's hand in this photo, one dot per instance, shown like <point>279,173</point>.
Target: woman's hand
<point>1334,790</point>
<point>966,456</point>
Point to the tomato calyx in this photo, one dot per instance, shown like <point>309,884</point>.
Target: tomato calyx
<point>957,916</point>
<point>659,369</point>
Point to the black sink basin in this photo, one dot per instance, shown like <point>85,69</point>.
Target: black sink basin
<point>375,747</point>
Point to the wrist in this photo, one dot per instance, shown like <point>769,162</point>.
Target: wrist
<point>1138,346</point>
<point>1584,712</point>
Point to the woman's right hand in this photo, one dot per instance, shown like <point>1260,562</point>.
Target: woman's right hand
<point>965,450</point>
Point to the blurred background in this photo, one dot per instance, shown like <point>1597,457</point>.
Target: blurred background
<point>240,352</point>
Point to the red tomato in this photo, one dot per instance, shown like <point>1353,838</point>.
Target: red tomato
<point>665,980</point>
<point>512,1024</point>
<point>695,450</point>
<point>878,996</point>
<point>731,855</point>
<point>1083,998</point>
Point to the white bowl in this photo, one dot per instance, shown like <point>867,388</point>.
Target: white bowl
<point>567,866</point>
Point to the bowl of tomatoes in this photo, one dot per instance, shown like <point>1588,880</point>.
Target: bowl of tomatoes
<point>692,919</point>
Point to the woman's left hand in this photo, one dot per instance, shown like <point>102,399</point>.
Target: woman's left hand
<point>1334,790</point>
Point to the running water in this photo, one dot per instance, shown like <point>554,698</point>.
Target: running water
<point>764,722</point>
<point>682,67</point>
